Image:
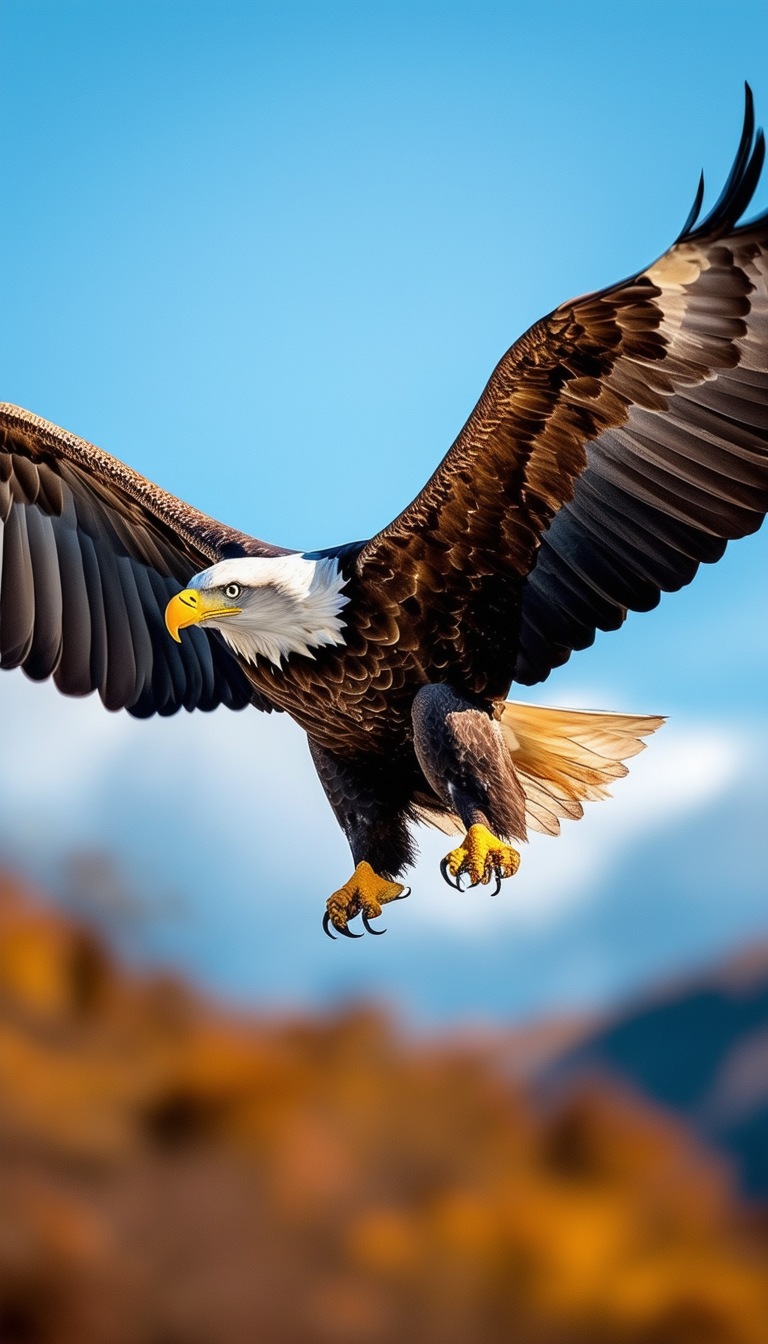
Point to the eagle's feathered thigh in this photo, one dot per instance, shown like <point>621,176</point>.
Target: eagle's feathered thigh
<point>461,750</point>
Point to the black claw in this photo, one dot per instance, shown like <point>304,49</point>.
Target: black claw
<point>369,927</point>
<point>347,933</point>
<point>405,892</point>
<point>448,877</point>
<point>498,884</point>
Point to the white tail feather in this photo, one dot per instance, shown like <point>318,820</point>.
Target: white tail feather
<point>566,757</point>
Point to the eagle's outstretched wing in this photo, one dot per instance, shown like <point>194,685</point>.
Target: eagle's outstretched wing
<point>620,442</point>
<point>90,554</point>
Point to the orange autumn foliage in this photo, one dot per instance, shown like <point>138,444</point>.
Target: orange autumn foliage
<point>174,1175</point>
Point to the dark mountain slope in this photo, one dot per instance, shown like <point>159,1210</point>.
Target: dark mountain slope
<point>699,1047</point>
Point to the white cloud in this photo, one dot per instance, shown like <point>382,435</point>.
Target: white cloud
<point>246,786</point>
<point>66,764</point>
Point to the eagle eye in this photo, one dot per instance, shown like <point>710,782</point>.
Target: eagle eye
<point>232,590</point>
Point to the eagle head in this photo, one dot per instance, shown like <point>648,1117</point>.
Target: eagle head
<point>269,606</point>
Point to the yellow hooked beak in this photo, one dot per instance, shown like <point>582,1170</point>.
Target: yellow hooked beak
<point>190,608</point>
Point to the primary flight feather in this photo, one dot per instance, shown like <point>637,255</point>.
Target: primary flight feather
<point>620,442</point>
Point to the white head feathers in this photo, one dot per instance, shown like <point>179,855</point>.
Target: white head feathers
<point>289,604</point>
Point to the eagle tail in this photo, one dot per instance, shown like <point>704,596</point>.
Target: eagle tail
<point>566,757</point>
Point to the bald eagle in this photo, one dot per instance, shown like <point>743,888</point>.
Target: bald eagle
<point>620,442</point>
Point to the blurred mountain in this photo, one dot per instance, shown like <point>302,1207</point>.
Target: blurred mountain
<point>698,1046</point>
<point>173,1174</point>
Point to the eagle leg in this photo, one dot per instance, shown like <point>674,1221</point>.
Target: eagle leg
<point>364,894</point>
<point>370,796</point>
<point>465,760</point>
<point>481,856</point>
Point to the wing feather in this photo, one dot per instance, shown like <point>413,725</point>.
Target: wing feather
<point>619,443</point>
<point>95,590</point>
<point>72,676</point>
<point>138,633</point>
<point>17,618</point>
<point>120,684</point>
<point>45,649</point>
<point>90,554</point>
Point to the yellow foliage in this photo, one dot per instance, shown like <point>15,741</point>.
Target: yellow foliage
<point>172,1174</point>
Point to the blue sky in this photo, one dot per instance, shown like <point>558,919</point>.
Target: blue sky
<point>269,254</point>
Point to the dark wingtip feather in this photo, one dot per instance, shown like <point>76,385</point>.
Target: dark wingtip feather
<point>752,174</point>
<point>694,211</point>
<point>741,181</point>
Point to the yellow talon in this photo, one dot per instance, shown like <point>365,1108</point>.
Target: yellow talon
<point>365,893</point>
<point>481,855</point>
